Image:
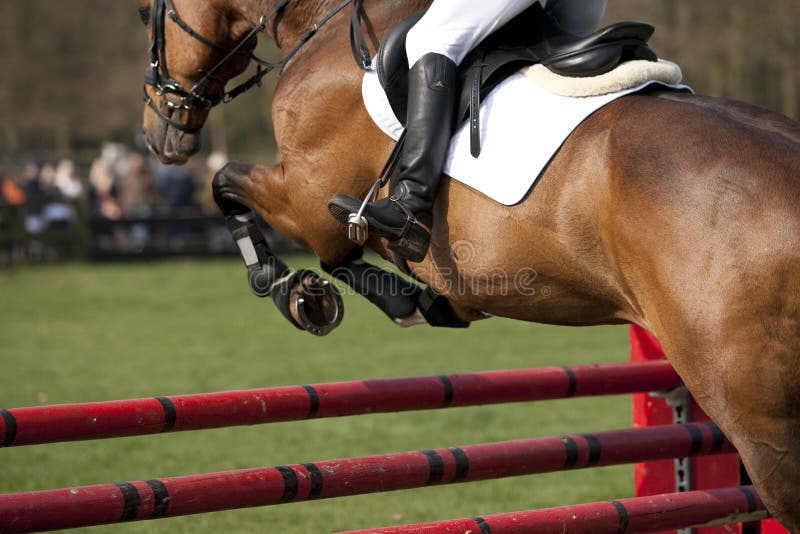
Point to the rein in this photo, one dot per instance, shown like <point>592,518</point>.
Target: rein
<point>158,77</point>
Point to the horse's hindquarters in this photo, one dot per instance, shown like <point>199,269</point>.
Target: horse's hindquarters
<point>707,239</point>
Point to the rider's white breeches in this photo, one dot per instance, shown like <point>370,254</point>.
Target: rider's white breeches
<point>454,27</point>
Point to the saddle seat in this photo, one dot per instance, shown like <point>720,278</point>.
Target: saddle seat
<point>530,38</point>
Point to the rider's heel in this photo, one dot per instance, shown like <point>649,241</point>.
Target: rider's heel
<point>413,244</point>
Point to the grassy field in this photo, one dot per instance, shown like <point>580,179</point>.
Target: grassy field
<point>79,333</point>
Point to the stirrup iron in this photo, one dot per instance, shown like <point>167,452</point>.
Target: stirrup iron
<point>357,229</point>
<point>357,225</point>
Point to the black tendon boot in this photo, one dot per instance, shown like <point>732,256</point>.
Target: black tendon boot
<point>405,217</point>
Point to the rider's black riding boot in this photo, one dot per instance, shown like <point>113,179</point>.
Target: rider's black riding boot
<point>405,217</point>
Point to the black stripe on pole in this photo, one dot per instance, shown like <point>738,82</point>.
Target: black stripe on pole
<point>717,437</point>
<point>11,428</point>
<point>751,500</point>
<point>570,451</point>
<point>448,391</point>
<point>317,480</point>
<point>573,380</point>
<point>313,397</point>
<point>435,466</point>
<point>623,516</point>
<point>169,414</point>
<point>160,498</point>
<point>595,449</point>
<point>483,525</point>
<point>290,483</point>
<point>131,501</point>
<point>696,437</point>
<point>462,464</point>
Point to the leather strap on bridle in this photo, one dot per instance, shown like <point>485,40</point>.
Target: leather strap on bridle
<point>195,98</point>
<point>358,44</point>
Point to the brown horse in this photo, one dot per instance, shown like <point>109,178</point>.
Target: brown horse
<point>675,212</point>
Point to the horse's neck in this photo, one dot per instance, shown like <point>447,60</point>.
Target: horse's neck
<point>297,17</point>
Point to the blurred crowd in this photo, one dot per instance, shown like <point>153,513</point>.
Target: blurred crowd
<point>121,185</point>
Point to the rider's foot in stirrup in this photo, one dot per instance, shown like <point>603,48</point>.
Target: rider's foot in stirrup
<point>408,234</point>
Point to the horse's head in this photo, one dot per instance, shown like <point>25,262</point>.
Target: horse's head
<point>195,48</point>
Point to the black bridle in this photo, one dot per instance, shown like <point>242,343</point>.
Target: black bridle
<point>196,98</point>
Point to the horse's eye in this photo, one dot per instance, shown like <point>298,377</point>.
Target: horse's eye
<point>144,14</point>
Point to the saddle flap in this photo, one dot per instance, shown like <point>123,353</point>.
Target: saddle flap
<point>392,65</point>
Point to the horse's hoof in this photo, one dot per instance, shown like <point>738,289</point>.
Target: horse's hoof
<point>309,302</point>
<point>260,279</point>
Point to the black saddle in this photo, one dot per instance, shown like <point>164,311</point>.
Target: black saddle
<point>532,37</point>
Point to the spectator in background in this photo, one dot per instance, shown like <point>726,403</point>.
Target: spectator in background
<point>176,187</point>
<point>57,211</point>
<point>136,191</point>
<point>219,237</point>
<point>137,199</point>
<point>12,226</point>
<point>65,181</point>
<point>10,193</point>
<point>214,162</point>
<point>101,178</point>
<point>31,184</point>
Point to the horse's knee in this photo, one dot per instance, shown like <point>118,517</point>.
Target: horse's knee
<point>227,189</point>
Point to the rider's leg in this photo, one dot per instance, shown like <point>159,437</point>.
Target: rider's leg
<point>405,217</point>
<point>453,28</point>
<point>578,17</point>
<point>436,44</point>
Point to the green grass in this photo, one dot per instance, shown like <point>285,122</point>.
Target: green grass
<point>79,333</point>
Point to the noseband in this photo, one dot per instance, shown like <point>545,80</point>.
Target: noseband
<point>158,77</point>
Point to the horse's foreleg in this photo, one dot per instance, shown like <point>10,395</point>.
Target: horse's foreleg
<point>403,301</point>
<point>307,301</point>
<point>240,189</point>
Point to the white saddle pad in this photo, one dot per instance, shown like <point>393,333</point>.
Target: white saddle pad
<point>522,126</point>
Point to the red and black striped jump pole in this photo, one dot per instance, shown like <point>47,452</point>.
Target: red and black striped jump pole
<point>639,514</point>
<point>193,494</point>
<point>70,422</point>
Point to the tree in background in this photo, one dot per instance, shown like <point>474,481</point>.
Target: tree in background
<point>730,48</point>
<point>72,70</point>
